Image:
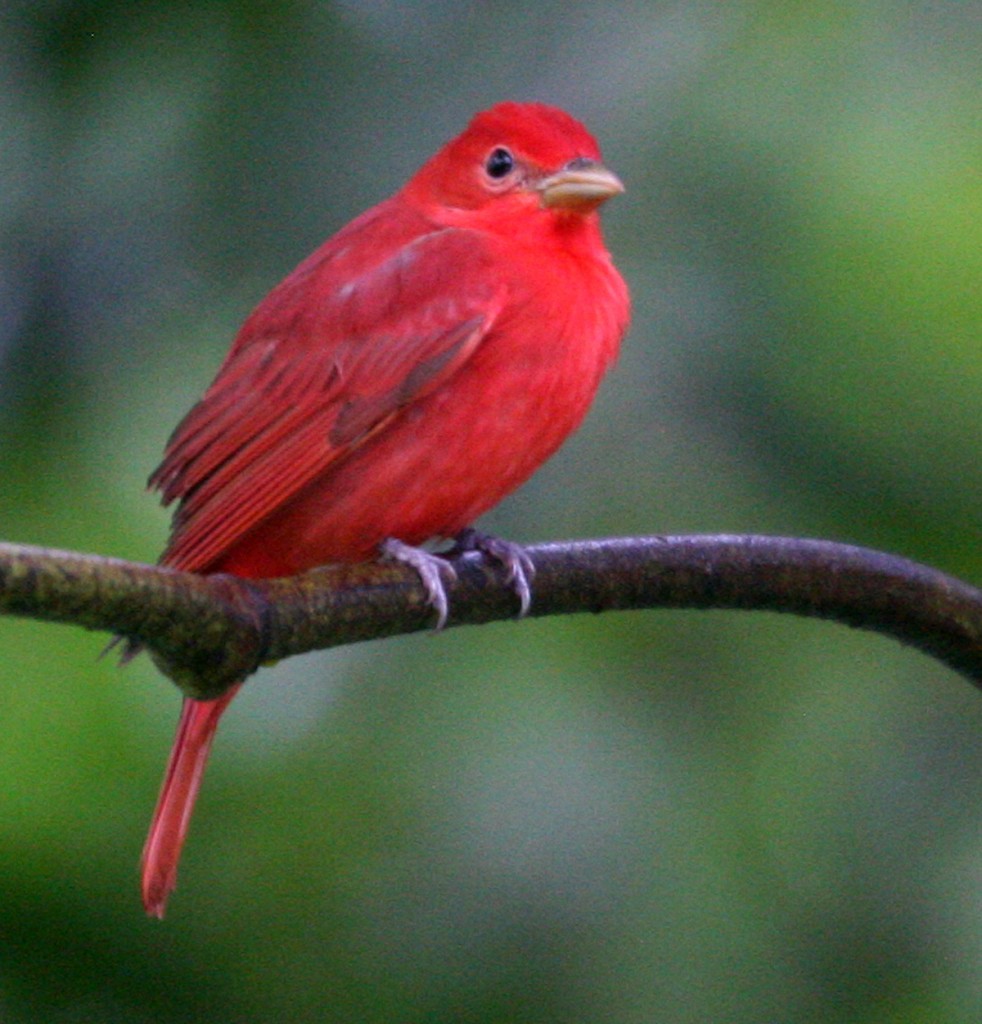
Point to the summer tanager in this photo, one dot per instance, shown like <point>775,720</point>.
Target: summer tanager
<point>403,379</point>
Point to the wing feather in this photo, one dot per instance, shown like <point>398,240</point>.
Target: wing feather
<point>297,393</point>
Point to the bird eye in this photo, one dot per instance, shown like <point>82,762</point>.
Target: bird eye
<point>499,163</point>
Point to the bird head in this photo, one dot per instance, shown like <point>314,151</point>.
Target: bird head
<point>514,158</point>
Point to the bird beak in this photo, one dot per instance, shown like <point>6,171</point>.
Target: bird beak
<point>581,186</point>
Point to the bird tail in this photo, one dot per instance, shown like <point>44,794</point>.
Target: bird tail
<point>189,755</point>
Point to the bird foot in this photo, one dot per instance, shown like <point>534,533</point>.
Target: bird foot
<point>431,569</point>
<point>511,556</point>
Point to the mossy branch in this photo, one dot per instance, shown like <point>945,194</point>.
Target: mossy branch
<point>207,632</point>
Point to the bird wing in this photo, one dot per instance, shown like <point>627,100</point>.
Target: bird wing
<point>325,362</point>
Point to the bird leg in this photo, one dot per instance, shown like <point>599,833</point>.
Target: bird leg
<point>431,569</point>
<point>511,556</point>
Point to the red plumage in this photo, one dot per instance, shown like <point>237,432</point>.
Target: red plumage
<point>403,379</point>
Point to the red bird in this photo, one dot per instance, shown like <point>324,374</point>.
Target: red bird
<point>414,370</point>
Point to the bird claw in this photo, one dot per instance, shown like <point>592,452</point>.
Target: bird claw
<point>519,569</point>
<point>431,569</point>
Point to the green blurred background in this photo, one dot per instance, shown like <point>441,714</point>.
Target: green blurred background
<point>629,818</point>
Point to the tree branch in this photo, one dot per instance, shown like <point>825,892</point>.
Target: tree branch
<point>207,632</point>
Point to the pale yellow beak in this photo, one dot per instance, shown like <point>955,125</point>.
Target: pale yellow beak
<point>582,185</point>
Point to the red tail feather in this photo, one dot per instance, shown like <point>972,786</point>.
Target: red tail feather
<point>195,731</point>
